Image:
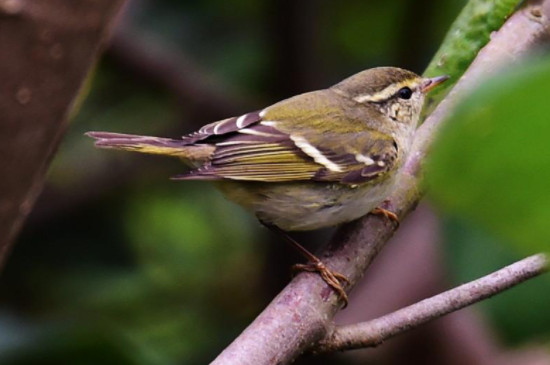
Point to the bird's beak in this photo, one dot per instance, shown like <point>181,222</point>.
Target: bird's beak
<point>429,84</point>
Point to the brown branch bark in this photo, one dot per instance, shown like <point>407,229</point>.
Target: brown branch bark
<point>48,48</point>
<point>374,332</point>
<point>301,314</point>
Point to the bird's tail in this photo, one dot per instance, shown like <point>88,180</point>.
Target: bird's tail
<point>143,144</point>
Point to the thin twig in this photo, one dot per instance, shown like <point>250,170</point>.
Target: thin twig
<point>300,315</point>
<point>374,332</point>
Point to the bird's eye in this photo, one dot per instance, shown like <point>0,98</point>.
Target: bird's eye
<point>405,93</point>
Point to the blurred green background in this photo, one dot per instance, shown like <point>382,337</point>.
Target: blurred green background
<point>119,265</point>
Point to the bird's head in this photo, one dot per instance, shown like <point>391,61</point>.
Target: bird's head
<point>396,93</point>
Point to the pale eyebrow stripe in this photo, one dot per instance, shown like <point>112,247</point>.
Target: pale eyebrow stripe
<point>386,93</point>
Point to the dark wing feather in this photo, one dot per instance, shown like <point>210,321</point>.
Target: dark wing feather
<point>264,146</point>
<point>257,153</point>
<point>275,157</point>
<point>223,127</point>
<point>362,157</point>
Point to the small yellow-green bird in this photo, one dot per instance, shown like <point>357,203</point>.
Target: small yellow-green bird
<point>314,160</point>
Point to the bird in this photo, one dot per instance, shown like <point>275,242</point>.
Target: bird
<point>314,160</point>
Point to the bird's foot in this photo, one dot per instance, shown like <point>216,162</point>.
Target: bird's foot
<point>386,213</point>
<point>333,278</point>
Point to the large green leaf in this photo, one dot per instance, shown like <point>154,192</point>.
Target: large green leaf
<point>491,163</point>
<point>467,35</point>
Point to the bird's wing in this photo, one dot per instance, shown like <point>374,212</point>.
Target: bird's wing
<point>282,144</point>
<point>224,127</point>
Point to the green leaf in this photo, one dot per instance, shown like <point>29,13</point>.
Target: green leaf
<point>192,233</point>
<point>467,35</point>
<point>491,164</point>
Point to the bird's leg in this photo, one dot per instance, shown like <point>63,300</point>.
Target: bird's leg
<point>386,213</point>
<point>332,278</point>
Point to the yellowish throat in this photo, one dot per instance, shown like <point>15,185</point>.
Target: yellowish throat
<point>314,160</point>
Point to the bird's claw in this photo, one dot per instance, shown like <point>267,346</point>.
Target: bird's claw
<point>386,213</point>
<point>333,278</point>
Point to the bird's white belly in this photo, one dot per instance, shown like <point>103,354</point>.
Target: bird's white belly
<point>308,206</point>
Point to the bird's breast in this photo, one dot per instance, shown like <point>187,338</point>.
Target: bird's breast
<point>302,206</point>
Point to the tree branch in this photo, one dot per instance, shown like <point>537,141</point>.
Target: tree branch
<point>374,332</point>
<point>48,49</point>
<point>300,315</point>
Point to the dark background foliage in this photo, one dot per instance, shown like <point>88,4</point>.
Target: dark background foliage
<point>117,264</point>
